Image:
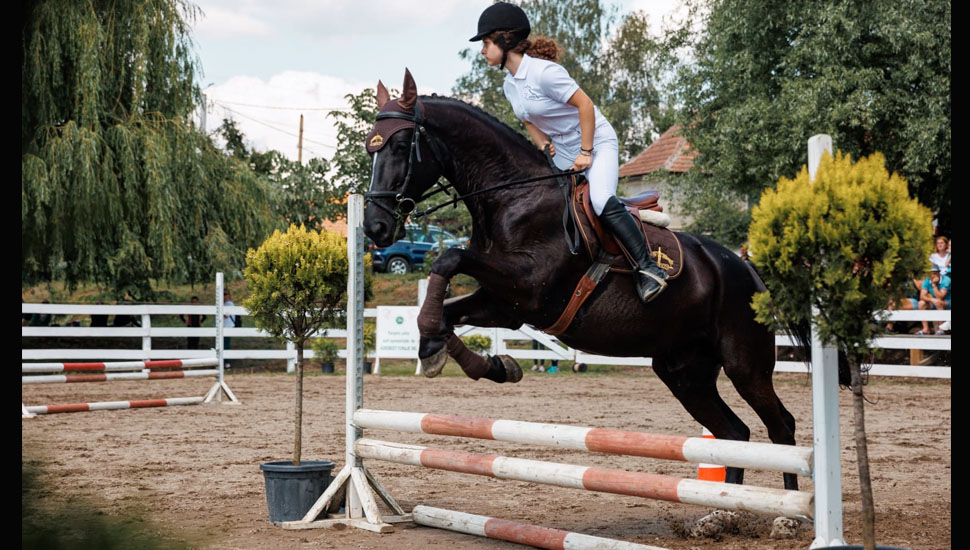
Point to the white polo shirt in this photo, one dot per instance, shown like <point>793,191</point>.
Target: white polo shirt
<point>539,92</point>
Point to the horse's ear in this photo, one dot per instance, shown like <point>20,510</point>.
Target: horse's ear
<point>410,94</point>
<point>382,95</point>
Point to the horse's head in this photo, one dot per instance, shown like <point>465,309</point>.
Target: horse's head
<point>403,164</point>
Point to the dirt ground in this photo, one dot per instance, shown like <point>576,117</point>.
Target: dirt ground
<point>195,470</point>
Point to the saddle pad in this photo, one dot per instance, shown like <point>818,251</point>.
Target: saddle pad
<point>663,244</point>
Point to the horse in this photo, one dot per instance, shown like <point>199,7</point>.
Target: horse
<point>700,324</point>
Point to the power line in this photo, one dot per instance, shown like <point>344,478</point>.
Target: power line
<point>257,121</point>
<point>281,108</point>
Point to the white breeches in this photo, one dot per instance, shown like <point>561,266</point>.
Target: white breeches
<point>604,171</point>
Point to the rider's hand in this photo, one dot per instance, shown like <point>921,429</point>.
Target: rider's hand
<point>582,162</point>
<point>552,148</point>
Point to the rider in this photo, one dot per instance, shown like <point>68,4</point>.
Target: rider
<point>557,113</point>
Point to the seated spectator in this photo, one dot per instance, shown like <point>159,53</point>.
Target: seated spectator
<point>41,319</point>
<point>941,257</point>
<point>909,301</point>
<point>934,294</point>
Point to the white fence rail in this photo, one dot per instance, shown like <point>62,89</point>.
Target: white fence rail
<point>504,341</point>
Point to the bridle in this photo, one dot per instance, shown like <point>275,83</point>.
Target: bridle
<point>406,204</point>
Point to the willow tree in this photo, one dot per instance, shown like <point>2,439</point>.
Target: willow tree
<point>118,186</point>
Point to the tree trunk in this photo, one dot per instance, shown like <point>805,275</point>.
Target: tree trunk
<point>862,456</point>
<point>298,442</point>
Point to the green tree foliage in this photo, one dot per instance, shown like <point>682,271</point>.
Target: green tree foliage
<point>118,187</point>
<point>297,280</point>
<point>764,76</point>
<point>350,161</point>
<point>304,194</point>
<point>612,58</point>
<point>846,243</point>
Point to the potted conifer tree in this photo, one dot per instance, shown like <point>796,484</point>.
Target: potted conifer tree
<point>297,281</point>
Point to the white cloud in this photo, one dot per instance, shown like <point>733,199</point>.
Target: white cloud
<point>268,112</point>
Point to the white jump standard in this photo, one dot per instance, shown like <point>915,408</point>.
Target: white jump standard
<point>137,370</point>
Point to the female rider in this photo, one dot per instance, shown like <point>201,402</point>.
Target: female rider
<point>557,113</point>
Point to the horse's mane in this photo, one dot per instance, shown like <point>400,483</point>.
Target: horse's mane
<point>504,131</point>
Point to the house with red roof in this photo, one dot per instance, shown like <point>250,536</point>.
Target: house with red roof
<point>656,168</point>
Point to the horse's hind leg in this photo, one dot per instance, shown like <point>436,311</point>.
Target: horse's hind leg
<point>691,375</point>
<point>750,369</point>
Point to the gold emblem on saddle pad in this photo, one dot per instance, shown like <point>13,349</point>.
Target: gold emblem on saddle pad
<point>376,141</point>
<point>663,260</point>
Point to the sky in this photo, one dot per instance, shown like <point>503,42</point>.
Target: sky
<point>266,62</point>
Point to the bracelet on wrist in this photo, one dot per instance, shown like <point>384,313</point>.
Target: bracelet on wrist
<point>590,150</point>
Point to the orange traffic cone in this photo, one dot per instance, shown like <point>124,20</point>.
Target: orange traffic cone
<point>710,472</point>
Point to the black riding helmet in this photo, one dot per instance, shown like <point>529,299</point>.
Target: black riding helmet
<point>502,16</point>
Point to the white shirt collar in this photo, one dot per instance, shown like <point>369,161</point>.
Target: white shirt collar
<point>523,69</point>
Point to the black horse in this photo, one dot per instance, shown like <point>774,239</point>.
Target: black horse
<point>517,253</point>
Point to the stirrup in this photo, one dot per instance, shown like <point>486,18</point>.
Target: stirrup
<point>661,285</point>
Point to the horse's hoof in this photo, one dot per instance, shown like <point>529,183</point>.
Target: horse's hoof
<point>784,528</point>
<point>715,524</point>
<point>513,372</point>
<point>431,366</point>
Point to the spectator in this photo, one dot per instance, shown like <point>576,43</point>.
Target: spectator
<point>945,326</point>
<point>941,257</point>
<point>99,320</point>
<point>910,301</point>
<point>934,294</point>
<point>540,366</point>
<point>41,319</point>
<point>123,320</point>
<point>228,321</point>
<point>193,321</point>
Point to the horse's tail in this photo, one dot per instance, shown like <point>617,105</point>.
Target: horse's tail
<point>801,334</point>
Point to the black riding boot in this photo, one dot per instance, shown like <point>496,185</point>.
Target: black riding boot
<point>651,278</point>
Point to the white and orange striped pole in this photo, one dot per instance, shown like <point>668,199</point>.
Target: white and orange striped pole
<point>710,472</point>
<point>521,533</point>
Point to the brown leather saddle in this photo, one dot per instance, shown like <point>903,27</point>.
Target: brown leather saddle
<point>663,244</point>
<point>605,252</point>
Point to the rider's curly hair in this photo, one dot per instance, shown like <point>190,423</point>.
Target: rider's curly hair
<point>541,47</point>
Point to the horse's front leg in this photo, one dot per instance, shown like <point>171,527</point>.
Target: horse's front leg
<point>437,320</point>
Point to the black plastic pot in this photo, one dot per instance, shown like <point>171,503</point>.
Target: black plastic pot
<point>367,367</point>
<point>292,490</point>
<point>327,367</point>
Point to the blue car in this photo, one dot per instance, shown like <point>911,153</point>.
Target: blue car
<point>408,253</point>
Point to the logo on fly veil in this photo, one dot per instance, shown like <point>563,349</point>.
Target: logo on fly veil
<point>376,141</point>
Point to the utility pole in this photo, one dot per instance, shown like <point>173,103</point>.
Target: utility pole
<point>299,146</point>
